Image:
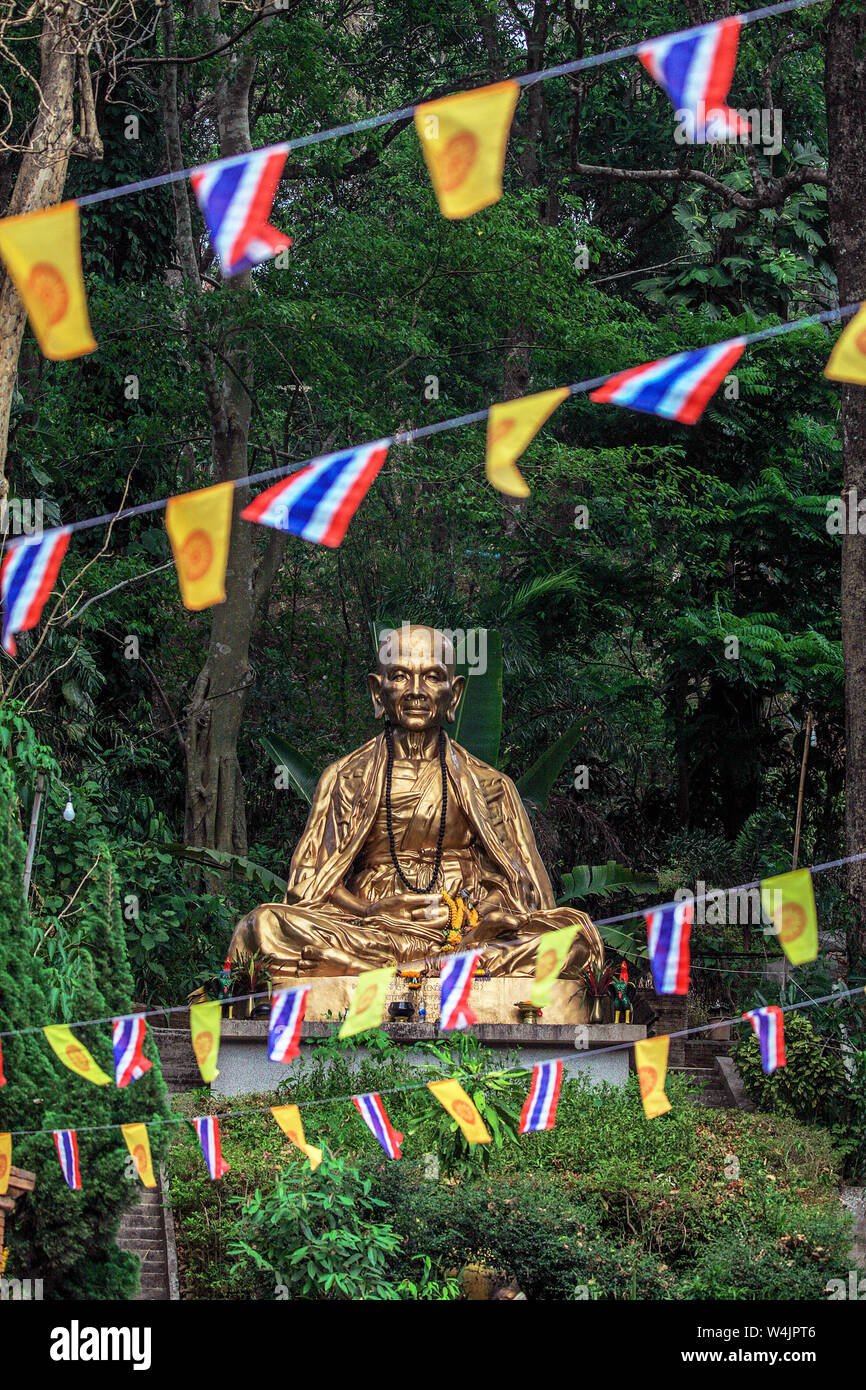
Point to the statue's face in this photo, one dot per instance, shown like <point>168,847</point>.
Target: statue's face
<point>415,686</point>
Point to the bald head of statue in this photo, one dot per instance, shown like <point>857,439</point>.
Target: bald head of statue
<point>415,686</point>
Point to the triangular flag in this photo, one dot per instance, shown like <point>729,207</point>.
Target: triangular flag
<point>651,1060</point>
<point>695,67</point>
<point>848,359</point>
<point>284,1028</point>
<point>127,1040</point>
<point>138,1143</point>
<point>2,1077</point>
<point>455,982</point>
<point>769,1026</point>
<point>550,957</point>
<point>235,197</point>
<point>539,1108</point>
<point>27,576</point>
<point>463,139</point>
<point>368,1002</point>
<point>669,930</point>
<point>204,1027</point>
<point>5,1162</point>
<point>455,1100</point>
<point>288,1117</point>
<point>207,1127</point>
<point>199,526</point>
<point>375,1117</point>
<point>66,1144</point>
<point>511,426</point>
<point>74,1054</point>
<point>42,252</point>
<point>678,387</point>
<point>789,900</point>
<point>318,502</point>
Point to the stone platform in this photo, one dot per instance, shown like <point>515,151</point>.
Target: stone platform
<point>244,1068</point>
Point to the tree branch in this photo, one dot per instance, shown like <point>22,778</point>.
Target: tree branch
<point>773,196</point>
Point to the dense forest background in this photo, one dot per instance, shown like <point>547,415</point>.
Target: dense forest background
<point>385,316</point>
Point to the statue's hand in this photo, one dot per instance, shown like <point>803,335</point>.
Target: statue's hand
<point>494,923</point>
<point>422,907</point>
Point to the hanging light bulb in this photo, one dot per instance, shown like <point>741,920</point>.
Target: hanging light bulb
<point>69,812</point>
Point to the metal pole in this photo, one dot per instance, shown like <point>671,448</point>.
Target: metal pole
<point>31,839</point>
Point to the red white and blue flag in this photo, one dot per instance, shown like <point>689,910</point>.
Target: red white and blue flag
<point>668,931</point>
<point>769,1026</point>
<point>318,502</point>
<point>677,387</point>
<point>372,1112</point>
<point>287,1015</point>
<point>67,1151</point>
<point>27,577</point>
<point>695,68</point>
<point>539,1108</point>
<point>455,982</point>
<point>127,1040</point>
<point>235,197</point>
<point>208,1130</point>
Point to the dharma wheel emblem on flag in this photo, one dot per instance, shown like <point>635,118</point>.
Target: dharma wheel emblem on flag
<point>648,1079</point>
<point>140,1158</point>
<point>465,1111</point>
<point>546,965</point>
<point>196,554</point>
<point>793,922</point>
<point>4,1163</point>
<point>50,289</point>
<point>456,160</point>
<point>202,1044</point>
<point>78,1058</point>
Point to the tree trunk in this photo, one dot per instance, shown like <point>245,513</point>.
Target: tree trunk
<point>845,90</point>
<point>39,184</point>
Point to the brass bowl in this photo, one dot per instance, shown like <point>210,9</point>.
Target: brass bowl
<point>529,1012</point>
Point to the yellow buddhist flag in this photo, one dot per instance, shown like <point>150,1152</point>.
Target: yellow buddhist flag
<point>790,901</point>
<point>139,1147</point>
<point>74,1054</point>
<point>5,1162</point>
<point>288,1117</point>
<point>199,526</point>
<point>204,1026</point>
<point>42,251</point>
<point>511,426</point>
<point>848,358</point>
<point>651,1060</point>
<point>452,1095</point>
<point>368,1002</point>
<point>550,957</point>
<point>463,140</point>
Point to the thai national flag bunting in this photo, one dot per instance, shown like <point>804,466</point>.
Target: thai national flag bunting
<point>127,1040</point>
<point>372,1112</point>
<point>208,1130</point>
<point>695,68</point>
<point>287,1015</point>
<point>677,387</point>
<point>67,1151</point>
<point>319,502</point>
<point>539,1108</point>
<point>235,197</point>
<point>27,577</point>
<point>668,932</point>
<point>769,1026</point>
<point>455,982</point>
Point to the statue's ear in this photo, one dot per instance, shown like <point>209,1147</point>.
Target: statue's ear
<point>374,681</point>
<point>458,685</point>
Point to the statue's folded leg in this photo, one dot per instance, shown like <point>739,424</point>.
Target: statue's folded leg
<point>587,948</point>
<point>296,941</point>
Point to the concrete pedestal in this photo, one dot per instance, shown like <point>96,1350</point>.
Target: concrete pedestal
<point>244,1068</point>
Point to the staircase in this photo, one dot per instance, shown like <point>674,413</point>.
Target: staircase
<point>147,1230</point>
<point>700,1065</point>
<point>179,1067</point>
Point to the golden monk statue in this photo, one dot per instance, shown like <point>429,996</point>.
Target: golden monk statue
<point>404,818</point>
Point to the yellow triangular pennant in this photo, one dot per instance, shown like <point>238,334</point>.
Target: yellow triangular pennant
<point>848,359</point>
<point>789,900</point>
<point>463,140</point>
<point>651,1060</point>
<point>74,1054</point>
<point>5,1162</point>
<point>455,1100</point>
<point>199,526</point>
<point>511,426</point>
<point>204,1027</point>
<point>288,1117</point>
<point>550,957</point>
<point>138,1143</point>
<point>368,1002</point>
<point>42,252</point>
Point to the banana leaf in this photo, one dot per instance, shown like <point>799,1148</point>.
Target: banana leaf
<point>479,715</point>
<point>536,783</point>
<point>600,880</point>
<point>233,866</point>
<point>301,773</point>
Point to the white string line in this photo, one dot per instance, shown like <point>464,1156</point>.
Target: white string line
<point>406,112</point>
<point>486,946</point>
<point>438,427</point>
<point>451,1075</point>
